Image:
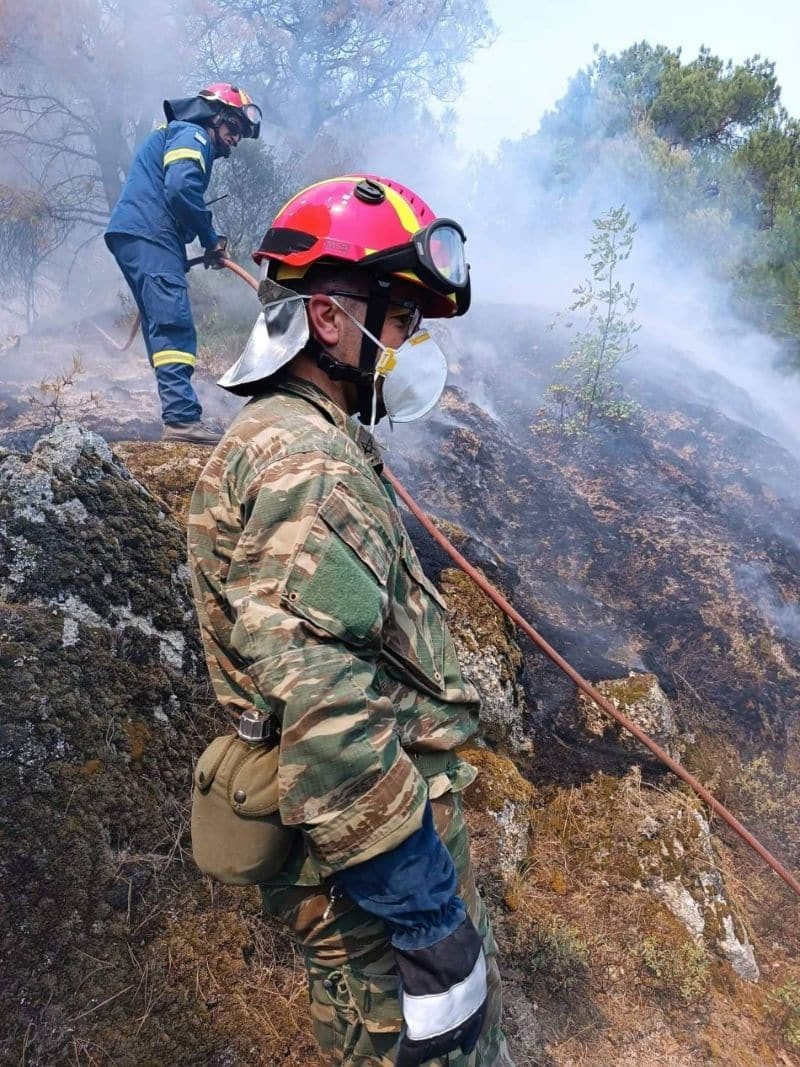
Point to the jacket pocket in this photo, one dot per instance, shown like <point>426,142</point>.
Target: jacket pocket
<point>416,634</point>
<point>339,578</point>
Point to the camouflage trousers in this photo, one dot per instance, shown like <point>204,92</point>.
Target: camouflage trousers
<point>353,984</point>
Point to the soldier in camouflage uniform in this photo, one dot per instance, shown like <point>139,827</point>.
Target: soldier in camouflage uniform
<point>314,608</point>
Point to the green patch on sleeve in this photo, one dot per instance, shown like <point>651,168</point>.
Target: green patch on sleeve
<point>342,588</point>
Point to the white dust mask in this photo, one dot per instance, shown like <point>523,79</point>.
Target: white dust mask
<point>414,375</point>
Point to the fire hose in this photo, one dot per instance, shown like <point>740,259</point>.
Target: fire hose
<point>590,691</point>
<point>602,702</point>
<point>126,344</point>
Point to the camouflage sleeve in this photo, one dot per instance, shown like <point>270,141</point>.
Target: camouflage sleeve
<point>317,551</point>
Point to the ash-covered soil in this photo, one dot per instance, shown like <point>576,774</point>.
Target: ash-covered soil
<point>671,545</point>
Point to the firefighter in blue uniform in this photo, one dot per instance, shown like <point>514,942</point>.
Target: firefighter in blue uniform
<point>160,211</point>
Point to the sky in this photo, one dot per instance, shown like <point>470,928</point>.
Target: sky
<point>542,44</point>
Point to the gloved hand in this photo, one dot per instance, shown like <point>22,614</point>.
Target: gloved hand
<point>438,951</point>
<point>443,996</point>
<point>214,256</point>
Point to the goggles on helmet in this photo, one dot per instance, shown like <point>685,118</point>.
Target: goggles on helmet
<point>252,112</point>
<point>436,255</point>
<point>237,118</point>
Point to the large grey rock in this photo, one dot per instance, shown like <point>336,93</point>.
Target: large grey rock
<point>640,698</point>
<point>102,689</point>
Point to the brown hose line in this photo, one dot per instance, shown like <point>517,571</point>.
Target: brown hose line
<point>549,651</point>
<point>237,270</point>
<point>590,691</point>
<point>240,272</point>
<point>127,344</point>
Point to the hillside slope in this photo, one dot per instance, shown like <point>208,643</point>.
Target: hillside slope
<point>630,928</point>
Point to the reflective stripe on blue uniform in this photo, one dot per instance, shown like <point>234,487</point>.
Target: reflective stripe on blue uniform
<point>162,200</point>
<point>160,210</point>
<point>157,280</point>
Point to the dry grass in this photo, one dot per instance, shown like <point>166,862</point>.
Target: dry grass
<point>612,971</point>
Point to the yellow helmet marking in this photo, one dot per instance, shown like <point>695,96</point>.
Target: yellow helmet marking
<point>405,213</point>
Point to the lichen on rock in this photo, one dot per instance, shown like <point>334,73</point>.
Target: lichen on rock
<point>80,536</point>
<point>490,657</point>
<point>680,870</point>
<point>640,698</point>
<point>500,798</point>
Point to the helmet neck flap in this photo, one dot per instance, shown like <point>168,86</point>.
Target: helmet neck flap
<point>208,109</point>
<point>191,109</point>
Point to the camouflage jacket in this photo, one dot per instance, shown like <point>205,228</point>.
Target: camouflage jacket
<point>313,605</point>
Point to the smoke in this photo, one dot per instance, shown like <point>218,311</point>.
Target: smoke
<point>528,215</point>
<point>528,234</point>
<point>754,580</point>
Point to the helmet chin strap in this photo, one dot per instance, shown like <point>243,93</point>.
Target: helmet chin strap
<point>377,307</point>
<point>370,409</point>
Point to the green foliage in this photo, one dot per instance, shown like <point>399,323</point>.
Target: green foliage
<point>703,102</point>
<point>784,1002</point>
<point>711,154</point>
<point>586,390</point>
<point>708,102</point>
<point>770,157</point>
<point>557,955</point>
<point>679,969</point>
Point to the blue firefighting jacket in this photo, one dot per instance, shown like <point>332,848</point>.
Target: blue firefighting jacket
<point>162,199</point>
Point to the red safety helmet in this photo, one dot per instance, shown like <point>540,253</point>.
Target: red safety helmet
<point>375,223</point>
<point>234,99</point>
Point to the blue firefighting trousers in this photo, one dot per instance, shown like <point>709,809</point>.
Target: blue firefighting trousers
<point>157,279</point>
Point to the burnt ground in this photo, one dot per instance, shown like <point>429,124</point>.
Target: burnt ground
<point>671,546</point>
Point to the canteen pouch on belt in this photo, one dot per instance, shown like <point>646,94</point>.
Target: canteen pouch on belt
<point>237,834</point>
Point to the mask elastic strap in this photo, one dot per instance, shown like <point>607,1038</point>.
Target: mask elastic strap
<point>377,306</point>
<point>355,322</point>
<point>370,346</point>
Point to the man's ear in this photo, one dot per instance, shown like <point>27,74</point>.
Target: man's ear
<point>324,318</point>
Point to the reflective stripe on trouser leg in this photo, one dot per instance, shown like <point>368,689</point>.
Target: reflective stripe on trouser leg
<point>353,984</point>
<point>179,401</point>
<point>173,343</point>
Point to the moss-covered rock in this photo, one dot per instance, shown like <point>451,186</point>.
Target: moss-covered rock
<point>104,703</point>
<point>490,657</point>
